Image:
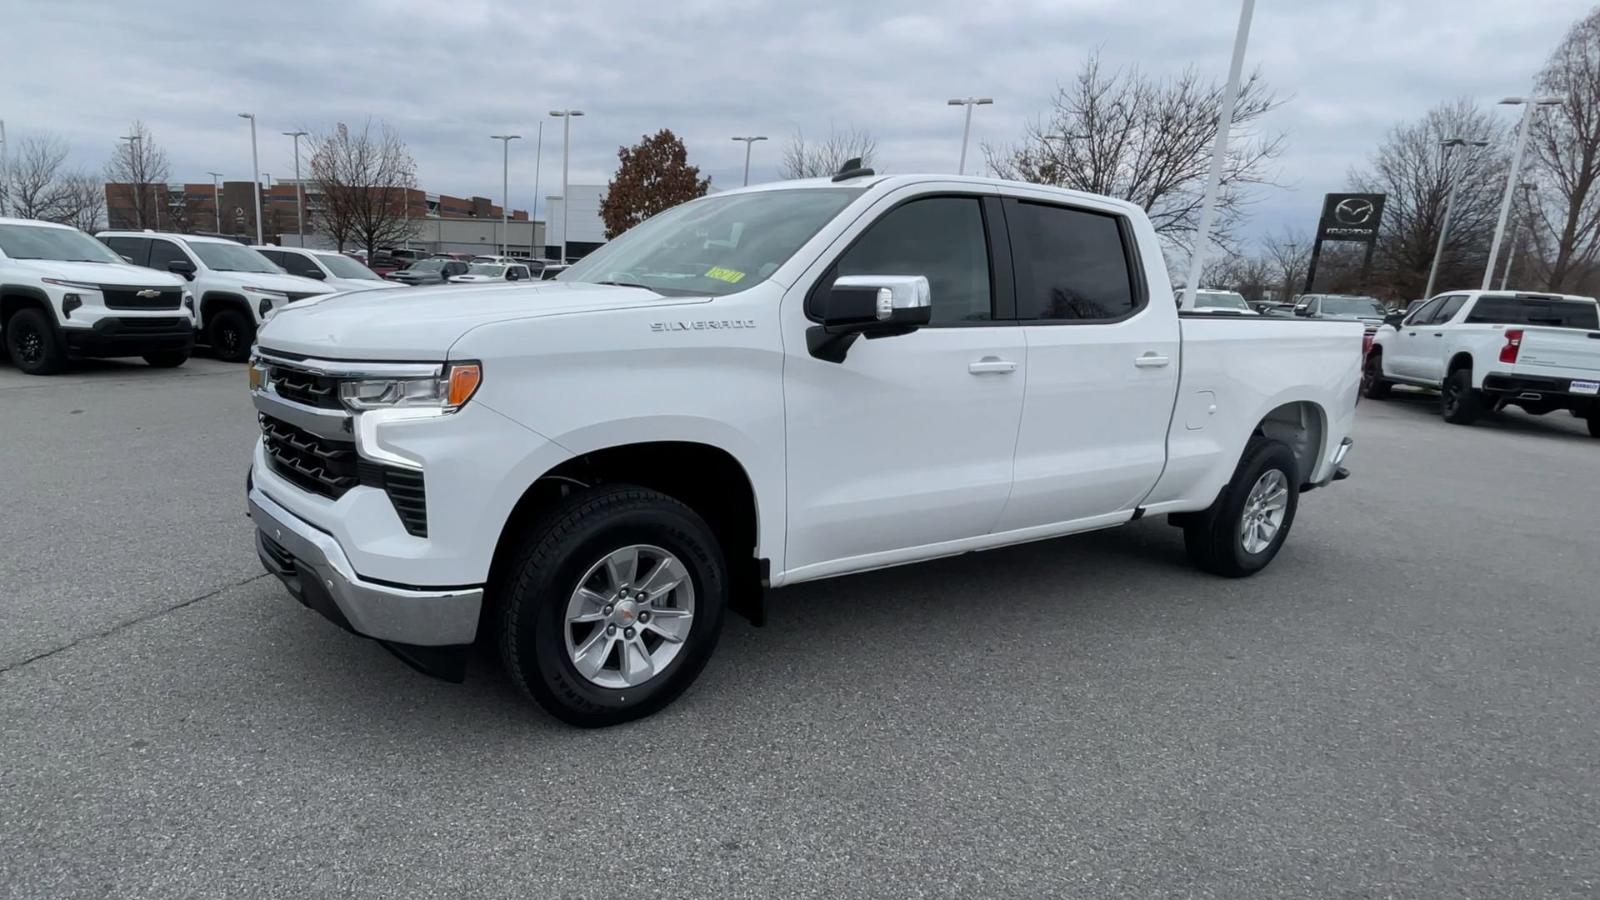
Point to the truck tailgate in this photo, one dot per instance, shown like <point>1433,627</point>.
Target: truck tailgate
<point>1558,352</point>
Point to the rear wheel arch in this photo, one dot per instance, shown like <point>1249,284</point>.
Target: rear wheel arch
<point>1462,360</point>
<point>1301,425</point>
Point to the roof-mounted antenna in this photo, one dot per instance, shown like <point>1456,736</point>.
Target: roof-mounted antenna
<point>852,168</point>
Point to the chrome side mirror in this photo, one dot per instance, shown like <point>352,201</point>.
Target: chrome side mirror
<point>874,306</point>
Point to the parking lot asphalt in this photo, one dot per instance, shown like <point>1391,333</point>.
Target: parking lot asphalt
<point>1405,704</point>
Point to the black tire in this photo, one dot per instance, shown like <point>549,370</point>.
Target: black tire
<point>1373,385</point>
<point>1594,423</point>
<point>230,333</point>
<point>167,359</point>
<point>31,340</point>
<point>556,553</point>
<point>1458,402</point>
<point>1214,539</point>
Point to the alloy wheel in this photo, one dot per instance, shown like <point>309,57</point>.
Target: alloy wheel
<point>629,616</point>
<point>1264,509</point>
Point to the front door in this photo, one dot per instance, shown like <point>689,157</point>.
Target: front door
<point>1429,344</point>
<point>1404,358</point>
<point>908,442</point>
<point>1102,366</point>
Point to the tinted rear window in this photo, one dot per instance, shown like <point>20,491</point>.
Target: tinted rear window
<point>1534,311</point>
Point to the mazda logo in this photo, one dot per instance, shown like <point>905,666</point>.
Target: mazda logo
<point>1353,211</point>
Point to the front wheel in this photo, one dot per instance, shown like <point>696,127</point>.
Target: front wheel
<point>1373,385</point>
<point>31,340</point>
<point>1458,402</point>
<point>612,606</point>
<point>1594,423</point>
<point>1248,523</point>
<point>230,333</point>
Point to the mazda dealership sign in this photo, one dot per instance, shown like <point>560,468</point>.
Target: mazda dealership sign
<point>1350,217</point>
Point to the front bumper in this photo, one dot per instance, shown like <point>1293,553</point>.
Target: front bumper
<point>315,569</point>
<point>131,336</point>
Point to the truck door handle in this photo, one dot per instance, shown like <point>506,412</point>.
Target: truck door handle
<point>991,365</point>
<point>1411,334</point>
<point>1438,334</point>
<point>1151,361</point>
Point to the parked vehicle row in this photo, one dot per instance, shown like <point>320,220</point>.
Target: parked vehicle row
<point>758,388</point>
<point>1486,350</point>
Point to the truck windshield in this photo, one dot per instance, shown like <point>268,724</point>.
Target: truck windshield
<point>1334,307</point>
<point>344,267</point>
<point>716,245</point>
<point>61,244</point>
<point>486,269</point>
<point>1535,311</point>
<point>1220,300</point>
<point>231,257</point>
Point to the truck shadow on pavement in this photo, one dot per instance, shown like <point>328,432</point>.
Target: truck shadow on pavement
<point>1559,424</point>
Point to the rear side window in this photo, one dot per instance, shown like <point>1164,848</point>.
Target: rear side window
<point>1071,264</point>
<point>1535,311</point>
<point>132,249</point>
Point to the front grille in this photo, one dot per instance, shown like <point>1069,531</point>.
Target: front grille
<point>315,463</point>
<point>406,493</point>
<point>283,558</point>
<point>161,324</point>
<point>120,297</point>
<point>300,386</point>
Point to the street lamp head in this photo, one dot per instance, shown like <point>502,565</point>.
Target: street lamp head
<point>984,101</point>
<point>247,115</point>
<point>955,102</point>
<point>1548,101</point>
<point>295,134</point>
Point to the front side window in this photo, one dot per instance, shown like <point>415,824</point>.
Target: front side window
<point>60,244</point>
<point>230,257</point>
<point>1448,309</point>
<point>713,246</point>
<point>295,264</point>
<point>1421,315</point>
<point>941,238</point>
<point>1071,264</point>
<point>131,249</point>
<point>163,253</point>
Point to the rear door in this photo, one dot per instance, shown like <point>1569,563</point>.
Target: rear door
<point>1102,364</point>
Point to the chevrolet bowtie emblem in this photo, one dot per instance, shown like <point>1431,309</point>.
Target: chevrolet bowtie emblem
<point>148,293</point>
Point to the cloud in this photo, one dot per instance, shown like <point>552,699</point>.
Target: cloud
<point>449,74</point>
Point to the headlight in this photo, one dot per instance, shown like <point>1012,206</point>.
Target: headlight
<point>448,391</point>
<point>258,374</point>
<point>75,285</point>
<point>268,291</point>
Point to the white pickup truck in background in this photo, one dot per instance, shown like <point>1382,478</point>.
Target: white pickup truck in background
<point>1485,350</point>
<point>759,388</point>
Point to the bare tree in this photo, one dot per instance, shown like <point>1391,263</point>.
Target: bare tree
<point>87,202</point>
<point>363,178</point>
<point>1289,254</point>
<point>1250,276</point>
<point>35,183</point>
<point>1566,147</point>
<point>1148,140</point>
<point>1411,168</point>
<point>141,164</point>
<point>813,159</point>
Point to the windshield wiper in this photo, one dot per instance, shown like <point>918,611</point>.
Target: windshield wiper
<point>645,287</point>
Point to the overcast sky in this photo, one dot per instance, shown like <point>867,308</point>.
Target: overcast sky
<point>448,74</point>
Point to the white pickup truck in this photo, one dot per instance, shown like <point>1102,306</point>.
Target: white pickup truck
<point>759,388</point>
<point>1485,350</point>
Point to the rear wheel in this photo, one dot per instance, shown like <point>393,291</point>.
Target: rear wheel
<point>31,340</point>
<point>230,333</point>
<point>1594,423</point>
<point>1458,402</point>
<point>1373,385</point>
<point>612,606</point>
<point>167,359</point>
<point>1243,530</point>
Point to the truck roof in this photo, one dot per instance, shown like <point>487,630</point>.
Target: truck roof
<point>191,238</point>
<point>891,182</point>
<point>1523,295</point>
<point>6,220</point>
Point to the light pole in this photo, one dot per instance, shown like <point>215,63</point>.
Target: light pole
<point>505,182</point>
<point>748,141</point>
<point>1449,202</point>
<point>216,197</point>
<point>1219,150</point>
<point>566,116</point>
<point>3,169</point>
<point>533,218</point>
<point>1527,104</point>
<point>255,171</point>
<point>1528,188</point>
<point>135,170</point>
<point>969,103</point>
<point>299,194</point>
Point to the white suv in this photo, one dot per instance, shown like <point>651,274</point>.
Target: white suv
<point>62,292</point>
<point>236,288</point>
<point>335,270</point>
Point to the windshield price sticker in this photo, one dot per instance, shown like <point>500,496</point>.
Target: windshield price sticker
<point>731,276</point>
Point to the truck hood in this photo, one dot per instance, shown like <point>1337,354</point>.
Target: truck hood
<point>272,281</point>
<point>420,324</point>
<point>96,273</point>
